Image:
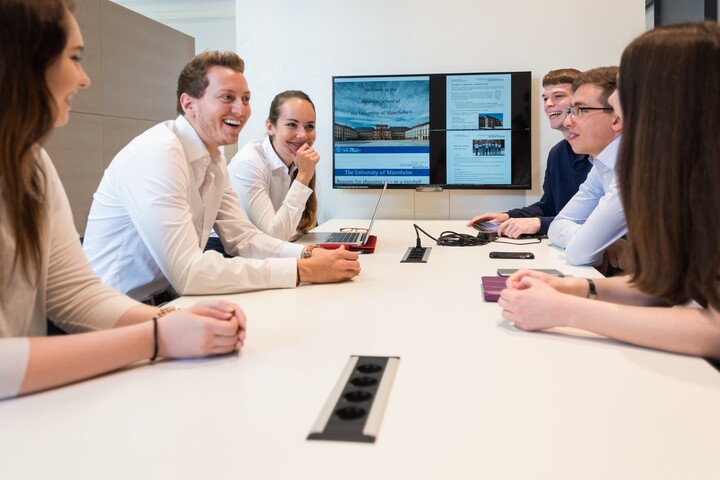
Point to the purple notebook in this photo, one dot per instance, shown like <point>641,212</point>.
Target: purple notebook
<point>492,286</point>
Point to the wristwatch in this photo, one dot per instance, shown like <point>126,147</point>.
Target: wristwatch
<point>307,251</point>
<point>592,291</point>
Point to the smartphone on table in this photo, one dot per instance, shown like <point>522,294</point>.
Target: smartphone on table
<point>486,226</point>
<point>513,255</point>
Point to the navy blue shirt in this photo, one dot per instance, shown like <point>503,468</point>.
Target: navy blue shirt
<point>564,174</point>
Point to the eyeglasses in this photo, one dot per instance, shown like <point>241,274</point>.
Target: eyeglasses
<point>578,112</point>
<point>353,230</point>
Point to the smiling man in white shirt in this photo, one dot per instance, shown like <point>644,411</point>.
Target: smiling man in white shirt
<point>162,194</point>
<point>593,220</point>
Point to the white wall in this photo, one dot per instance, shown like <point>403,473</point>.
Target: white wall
<point>287,44</point>
<point>217,33</point>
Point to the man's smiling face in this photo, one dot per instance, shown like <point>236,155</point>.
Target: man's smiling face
<point>556,99</point>
<point>222,111</point>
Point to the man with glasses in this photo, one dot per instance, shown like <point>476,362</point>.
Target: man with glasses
<point>564,173</point>
<point>593,221</point>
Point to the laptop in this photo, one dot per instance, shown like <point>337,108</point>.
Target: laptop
<point>343,238</point>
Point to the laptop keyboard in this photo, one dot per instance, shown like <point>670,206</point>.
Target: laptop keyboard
<point>344,237</point>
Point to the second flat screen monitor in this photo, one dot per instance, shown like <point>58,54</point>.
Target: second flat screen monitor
<point>464,130</point>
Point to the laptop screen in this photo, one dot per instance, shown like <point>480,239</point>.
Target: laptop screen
<point>377,205</point>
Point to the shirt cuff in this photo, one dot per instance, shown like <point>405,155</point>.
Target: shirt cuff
<point>14,358</point>
<point>298,193</point>
<point>291,250</point>
<point>284,272</point>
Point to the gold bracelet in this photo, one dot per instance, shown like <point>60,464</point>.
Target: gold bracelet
<point>161,313</point>
<point>166,310</point>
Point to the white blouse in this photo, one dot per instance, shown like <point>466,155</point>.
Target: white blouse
<point>272,201</point>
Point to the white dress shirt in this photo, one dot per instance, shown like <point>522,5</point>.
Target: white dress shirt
<point>594,218</point>
<point>152,214</point>
<point>273,202</point>
<point>67,291</point>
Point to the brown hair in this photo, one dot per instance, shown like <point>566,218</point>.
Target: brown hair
<point>33,36</point>
<point>193,77</point>
<point>603,77</point>
<point>669,163</point>
<point>560,76</point>
<point>308,221</point>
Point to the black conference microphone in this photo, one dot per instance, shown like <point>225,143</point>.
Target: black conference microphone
<point>418,253</point>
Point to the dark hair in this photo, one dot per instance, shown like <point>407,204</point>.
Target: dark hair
<point>309,216</point>
<point>193,78</point>
<point>560,76</point>
<point>603,77</point>
<point>33,34</point>
<point>669,163</point>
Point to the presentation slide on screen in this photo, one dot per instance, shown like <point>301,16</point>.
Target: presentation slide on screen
<point>478,147</point>
<point>479,157</point>
<point>381,130</point>
<point>478,101</point>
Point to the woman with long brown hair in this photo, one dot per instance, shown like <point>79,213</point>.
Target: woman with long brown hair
<point>275,178</point>
<point>43,272</point>
<point>669,173</point>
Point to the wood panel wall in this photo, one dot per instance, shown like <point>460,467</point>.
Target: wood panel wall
<point>133,63</point>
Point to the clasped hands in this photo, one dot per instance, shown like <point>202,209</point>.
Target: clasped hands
<point>208,327</point>
<point>537,301</point>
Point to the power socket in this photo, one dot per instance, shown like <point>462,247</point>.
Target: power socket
<point>354,410</point>
<point>416,255</point>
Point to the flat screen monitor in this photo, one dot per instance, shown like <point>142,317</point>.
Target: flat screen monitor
<point>450,130</point>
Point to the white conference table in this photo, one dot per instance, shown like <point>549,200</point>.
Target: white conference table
<point>473,396</point>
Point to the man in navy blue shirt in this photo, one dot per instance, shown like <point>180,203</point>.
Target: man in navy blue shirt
<point>565,170</point>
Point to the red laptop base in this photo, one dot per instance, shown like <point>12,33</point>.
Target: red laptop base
<point>369,246</point>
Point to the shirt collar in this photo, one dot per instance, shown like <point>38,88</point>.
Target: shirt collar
<point>193,145</point>
<point>608,156</point>
<point>274,160</point>
<point>195,149</point>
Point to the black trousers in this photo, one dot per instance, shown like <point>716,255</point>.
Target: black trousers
<point>216,245</point>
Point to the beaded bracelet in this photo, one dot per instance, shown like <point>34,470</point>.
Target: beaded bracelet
<point>161,313</point>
